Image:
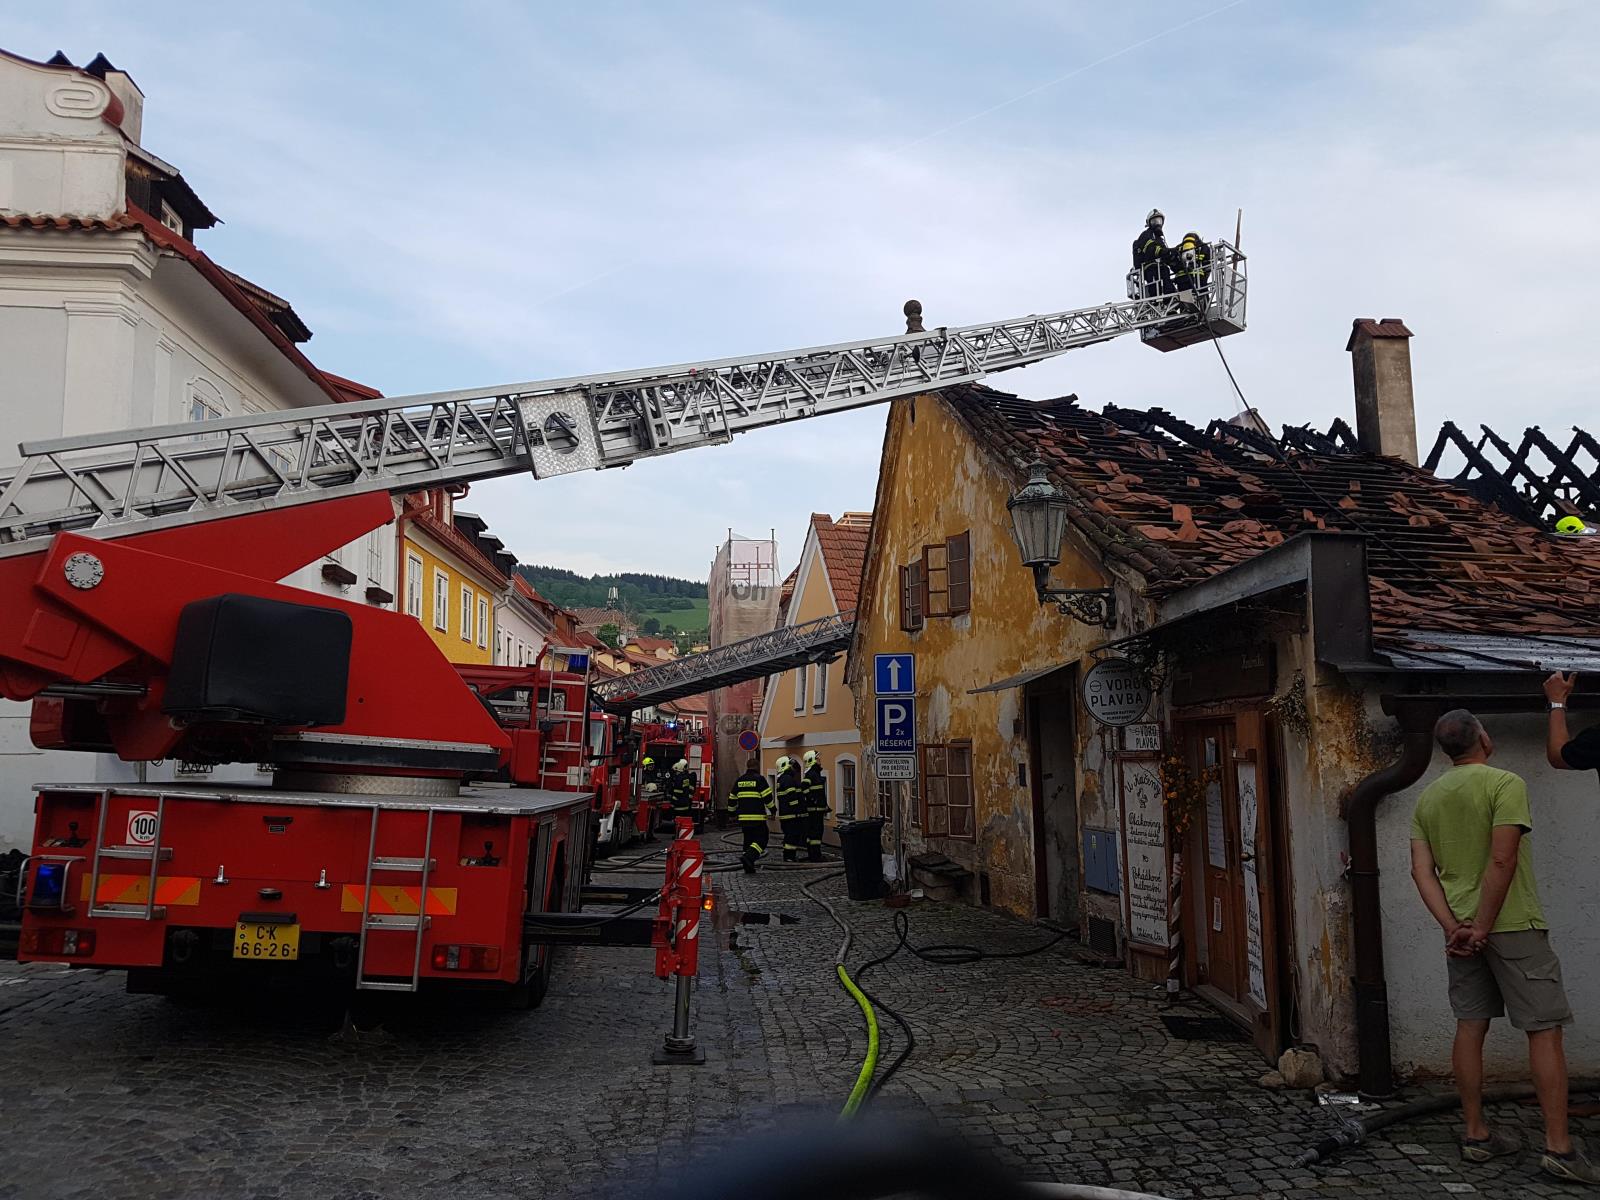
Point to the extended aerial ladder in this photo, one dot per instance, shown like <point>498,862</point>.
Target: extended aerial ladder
<point>143,615</point>
<point>111,484</point>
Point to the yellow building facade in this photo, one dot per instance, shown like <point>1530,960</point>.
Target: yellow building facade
<point>445,587</point>
<point>811,707</point>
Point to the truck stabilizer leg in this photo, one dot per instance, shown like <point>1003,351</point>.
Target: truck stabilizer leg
<point>677,941</point>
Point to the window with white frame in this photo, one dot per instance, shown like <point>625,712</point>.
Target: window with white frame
<point>483,623</point>
<point>414,586</point>
<point>466,613</point>
<point>819,690</point>
<point>374,558</point>
<point>800,688</point>
<point>206,403</point>
<point>846,791</point>
<point>441,601</point>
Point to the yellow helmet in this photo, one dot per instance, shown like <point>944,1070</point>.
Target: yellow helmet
<point>785,763</point>
<point>648,762</point>
<point>809,758</point>
<point>1571,525</point>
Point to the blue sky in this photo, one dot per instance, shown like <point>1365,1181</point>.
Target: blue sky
<point>519,191</point>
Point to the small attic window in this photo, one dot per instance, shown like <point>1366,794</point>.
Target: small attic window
<point>171,219</point>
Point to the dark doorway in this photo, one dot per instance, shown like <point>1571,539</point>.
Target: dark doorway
<point>1053,750</point>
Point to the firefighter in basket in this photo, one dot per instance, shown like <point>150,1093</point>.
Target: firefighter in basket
<point>1151,258</point>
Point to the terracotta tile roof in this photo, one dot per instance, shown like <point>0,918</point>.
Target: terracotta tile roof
<point>648,644</point>
<point>596,617</point>
<point>115,224</point>
<point>786,590</point>
<point>1177,504</point>
<point>844,553</point>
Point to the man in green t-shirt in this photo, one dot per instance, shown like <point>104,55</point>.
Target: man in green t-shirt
<point>1473,865</point>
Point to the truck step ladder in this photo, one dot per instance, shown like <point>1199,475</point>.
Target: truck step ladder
<point>372,922</point>
<point>155,854</point>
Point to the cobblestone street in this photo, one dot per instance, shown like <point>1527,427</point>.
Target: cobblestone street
<point>1061,1068</point>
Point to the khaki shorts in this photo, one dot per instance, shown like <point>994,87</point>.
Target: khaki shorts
<point>1516,974</point>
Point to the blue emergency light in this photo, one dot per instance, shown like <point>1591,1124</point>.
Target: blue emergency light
<point>49,885</point>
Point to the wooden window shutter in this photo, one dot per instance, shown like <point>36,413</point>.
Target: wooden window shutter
<point>958,560</point>
<point>919,593</point>
<point>911,600</point>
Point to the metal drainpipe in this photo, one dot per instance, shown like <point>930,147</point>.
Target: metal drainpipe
<point>1375,1068</point>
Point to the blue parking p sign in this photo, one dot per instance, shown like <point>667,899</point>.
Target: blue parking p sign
<point>894,675</point>
<point>897,725</point>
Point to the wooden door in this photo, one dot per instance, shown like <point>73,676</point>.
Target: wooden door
<point>1208,748</point>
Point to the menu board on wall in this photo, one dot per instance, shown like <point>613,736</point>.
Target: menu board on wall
<point>1144,835</point>
<point>1256,985</point>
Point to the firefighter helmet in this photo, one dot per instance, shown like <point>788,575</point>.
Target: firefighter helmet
<point>1572,526</point>
<point>648,762</point>
<point>681,765</point>
<point>809,758</point>
<point>785,763</point>
<point>1156,217</point>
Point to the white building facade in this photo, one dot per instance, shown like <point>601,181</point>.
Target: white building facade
<point>111,318</point>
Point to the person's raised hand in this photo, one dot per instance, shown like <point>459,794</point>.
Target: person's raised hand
<point>1559,686</point>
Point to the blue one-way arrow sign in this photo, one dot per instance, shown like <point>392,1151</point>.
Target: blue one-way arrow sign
<point>897,725</point>
<point>894,674</point>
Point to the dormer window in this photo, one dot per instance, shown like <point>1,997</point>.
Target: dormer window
<point>171,219</point>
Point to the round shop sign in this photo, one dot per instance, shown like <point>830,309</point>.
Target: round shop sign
<point>1115,692</point>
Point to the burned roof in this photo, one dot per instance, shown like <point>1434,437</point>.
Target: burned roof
<point>1177,504</point>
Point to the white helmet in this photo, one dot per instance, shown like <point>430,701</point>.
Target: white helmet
<point>681,765</point>
<point>785,763</point>
<point>809,758</point>
<point>1156,217</point>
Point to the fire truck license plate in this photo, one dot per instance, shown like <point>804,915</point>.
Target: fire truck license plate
<point>280,943</point>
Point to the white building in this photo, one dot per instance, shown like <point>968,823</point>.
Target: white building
<point>111,317</point>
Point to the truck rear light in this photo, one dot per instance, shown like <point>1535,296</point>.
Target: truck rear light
<point>58,943</point>
<point>452,957</point>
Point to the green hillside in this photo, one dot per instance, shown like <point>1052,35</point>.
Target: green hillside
<point>669,601</point>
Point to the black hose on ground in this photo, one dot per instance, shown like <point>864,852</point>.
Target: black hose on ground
<point>1353,1131</point>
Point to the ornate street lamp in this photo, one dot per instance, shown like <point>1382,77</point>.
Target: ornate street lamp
<point>1038,523</point>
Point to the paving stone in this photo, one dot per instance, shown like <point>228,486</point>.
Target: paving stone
<point>1063,1071</point>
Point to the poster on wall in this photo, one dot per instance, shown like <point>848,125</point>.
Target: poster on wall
<point>1216,834</point>
<point>1256,985</point>
<point>1144,834</point>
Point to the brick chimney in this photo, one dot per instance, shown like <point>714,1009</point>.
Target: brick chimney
<point>1386,416</point>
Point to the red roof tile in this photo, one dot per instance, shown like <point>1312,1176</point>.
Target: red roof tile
<point>115,224</point>
<point>1176,505</point>
<point>844,553</point>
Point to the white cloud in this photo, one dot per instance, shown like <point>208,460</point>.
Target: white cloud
<point>527,193</point>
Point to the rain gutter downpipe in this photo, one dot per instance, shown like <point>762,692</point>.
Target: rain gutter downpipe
<point>1375,1069</point>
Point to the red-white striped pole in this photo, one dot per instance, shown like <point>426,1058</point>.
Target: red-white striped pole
<point>1175,930</point>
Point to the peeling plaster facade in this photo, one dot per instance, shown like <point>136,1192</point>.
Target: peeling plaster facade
<point>935,482</point>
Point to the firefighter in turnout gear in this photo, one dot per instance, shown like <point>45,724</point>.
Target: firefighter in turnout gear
<point>681,788</point>
<point>749,804</point>
<point>791,808</point>
<point>816,785</point>
<point>1151,258</point>
<point>1191,266</point>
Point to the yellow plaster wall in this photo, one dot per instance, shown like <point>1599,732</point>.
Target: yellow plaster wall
<point>935,482</point>
<point>437,558</point>
<point>815,600</point>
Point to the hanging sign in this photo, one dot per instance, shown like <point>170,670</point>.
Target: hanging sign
<point>1144,831</point>
<point>1115,692</point>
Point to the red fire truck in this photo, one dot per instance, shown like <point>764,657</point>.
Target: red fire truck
<point>665,743</point>
<point>139,611</point>
<point>561,741</point>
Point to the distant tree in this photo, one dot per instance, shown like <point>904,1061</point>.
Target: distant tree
<point>609,634</point>
<point>651,627</point>
<point>685,643</point>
